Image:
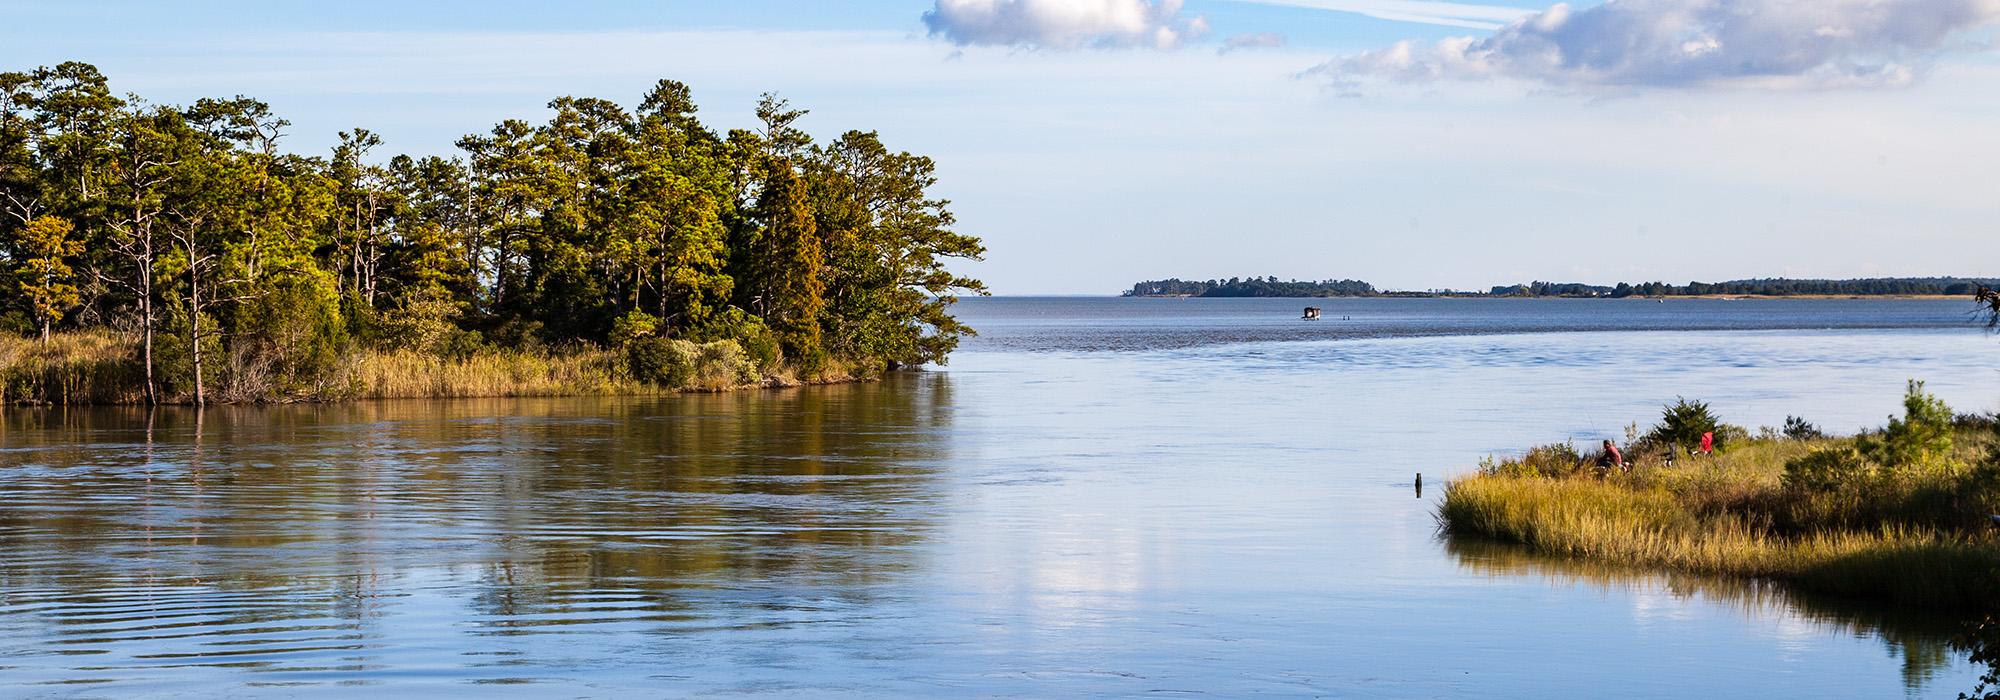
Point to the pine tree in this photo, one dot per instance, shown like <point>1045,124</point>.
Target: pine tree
<point>790,287</point>
<point>45,245</point>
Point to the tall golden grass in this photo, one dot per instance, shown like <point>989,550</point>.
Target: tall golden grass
<point>1915,543</point>
<point>90,367</point>
<point>100,367</point>
<point>407,374</point>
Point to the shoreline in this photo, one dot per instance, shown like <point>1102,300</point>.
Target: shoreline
<point>339,401</point>
<point>100,369</point>
<point>767,385</point>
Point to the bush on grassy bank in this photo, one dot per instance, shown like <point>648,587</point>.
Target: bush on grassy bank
<point>1899,514</point>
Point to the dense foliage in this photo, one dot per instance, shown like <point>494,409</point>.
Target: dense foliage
<point>230,261</point>
<point>1252,287</point>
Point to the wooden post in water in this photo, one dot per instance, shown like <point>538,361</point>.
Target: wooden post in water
<point>1420,484</point>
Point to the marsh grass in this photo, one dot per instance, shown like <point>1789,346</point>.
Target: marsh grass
<point>1917,536</point>
<point>407,374</point>
<point>91,367</point>
<point>96,367</point>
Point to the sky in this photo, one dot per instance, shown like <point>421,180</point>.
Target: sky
<point>1415,144</point>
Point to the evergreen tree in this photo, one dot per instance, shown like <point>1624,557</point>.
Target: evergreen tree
<point>44,248</point>
<point>787,287</point>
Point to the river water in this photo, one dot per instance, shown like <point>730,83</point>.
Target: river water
<point>1096,497</point>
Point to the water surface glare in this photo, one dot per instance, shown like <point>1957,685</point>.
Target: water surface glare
<point>1097,497</point>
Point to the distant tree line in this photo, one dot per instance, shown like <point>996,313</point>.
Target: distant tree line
<point>1252,287</point>
<point>1273,287</point>
<point>1951,286</point>
<point>189,229</point>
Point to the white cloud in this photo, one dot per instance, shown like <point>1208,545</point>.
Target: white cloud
<point>1450,14</point>
<point>1258,40</point>
<point>1688,43</point>
<point>1064,24</point>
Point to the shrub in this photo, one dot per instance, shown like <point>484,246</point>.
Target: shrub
<point>424,320</point>
<point>1798,428</point>
<point>1920,439</point>
<point>1829,469</point>
<point>722,365</point>
<point>756,340</point>
<point>633,326</point>
<point>662,362</point>
<point>1553,460</point>
<point>1682,424</point>
<point>1988,422</point>
<point>173,355</point>
<point>287,341</point>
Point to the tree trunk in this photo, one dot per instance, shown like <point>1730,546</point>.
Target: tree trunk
<point>146,316</point>
<point>372,256</point>
<point>194,325</point>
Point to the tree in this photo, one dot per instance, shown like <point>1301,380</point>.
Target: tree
<point>20,173</point>
<point>787,289</point>
<point>888,241</point>
<point>510,193</point>
<point>45,246</point>
<point>75,112</point>
<point>680,208</point>
<point>202,216</point>
<point>361,195</point>
<point>144,157</point>
<point>430,278</point>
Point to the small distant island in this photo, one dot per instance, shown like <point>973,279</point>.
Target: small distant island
<point>1768,287</point>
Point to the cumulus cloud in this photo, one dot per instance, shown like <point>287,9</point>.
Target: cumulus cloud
<point>1064,24</point>
<point>1691,43</point>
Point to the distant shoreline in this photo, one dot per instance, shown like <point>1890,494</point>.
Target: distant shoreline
<point>1763,288</point>
<point>1392,295</point>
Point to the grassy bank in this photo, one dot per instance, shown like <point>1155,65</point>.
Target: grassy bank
<point>101,367</point>
<point>1899,514</point>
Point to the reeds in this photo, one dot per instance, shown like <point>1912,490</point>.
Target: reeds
<point>407,374</point>
<point>91,367</point>
<point>99,367</point>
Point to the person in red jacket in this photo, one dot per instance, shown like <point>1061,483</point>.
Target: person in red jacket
<point>1611,457</point>
<point>1708,443</point>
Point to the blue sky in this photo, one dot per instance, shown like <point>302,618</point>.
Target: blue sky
<point>1096,142</point>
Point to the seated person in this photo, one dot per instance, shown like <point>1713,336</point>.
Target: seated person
<point>1611,457</point>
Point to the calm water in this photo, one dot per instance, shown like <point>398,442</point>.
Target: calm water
<point>1098,496</point>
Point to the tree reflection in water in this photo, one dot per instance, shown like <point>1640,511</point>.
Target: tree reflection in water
<point>280,539</point>
<point>1922,640</point>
